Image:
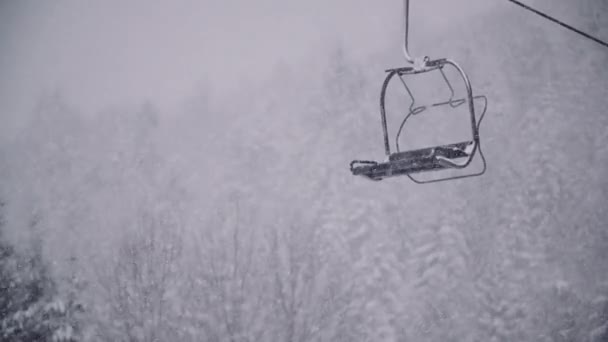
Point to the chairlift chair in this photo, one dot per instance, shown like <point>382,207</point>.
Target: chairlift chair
<point>456,156</point>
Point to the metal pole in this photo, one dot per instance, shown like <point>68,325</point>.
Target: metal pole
<point>406,14</point>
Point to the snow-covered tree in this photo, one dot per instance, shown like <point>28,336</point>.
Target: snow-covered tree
<point>30,307</point>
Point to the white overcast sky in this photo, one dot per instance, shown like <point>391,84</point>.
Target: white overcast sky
<point>109,51</point>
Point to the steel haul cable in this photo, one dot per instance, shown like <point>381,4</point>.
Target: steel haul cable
<point>586,35</point>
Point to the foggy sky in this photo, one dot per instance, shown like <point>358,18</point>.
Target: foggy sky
<point>98,53</point>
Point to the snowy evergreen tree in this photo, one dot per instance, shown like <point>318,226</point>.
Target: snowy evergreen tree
<point>30,309</point>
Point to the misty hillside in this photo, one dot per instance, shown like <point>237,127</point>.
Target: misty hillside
<point>235,217</point>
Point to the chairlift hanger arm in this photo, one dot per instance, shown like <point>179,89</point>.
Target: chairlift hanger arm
<point>406,15</point>
<point>406,29</point>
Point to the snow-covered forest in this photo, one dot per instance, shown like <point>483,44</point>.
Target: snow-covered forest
<point>231,214</point>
